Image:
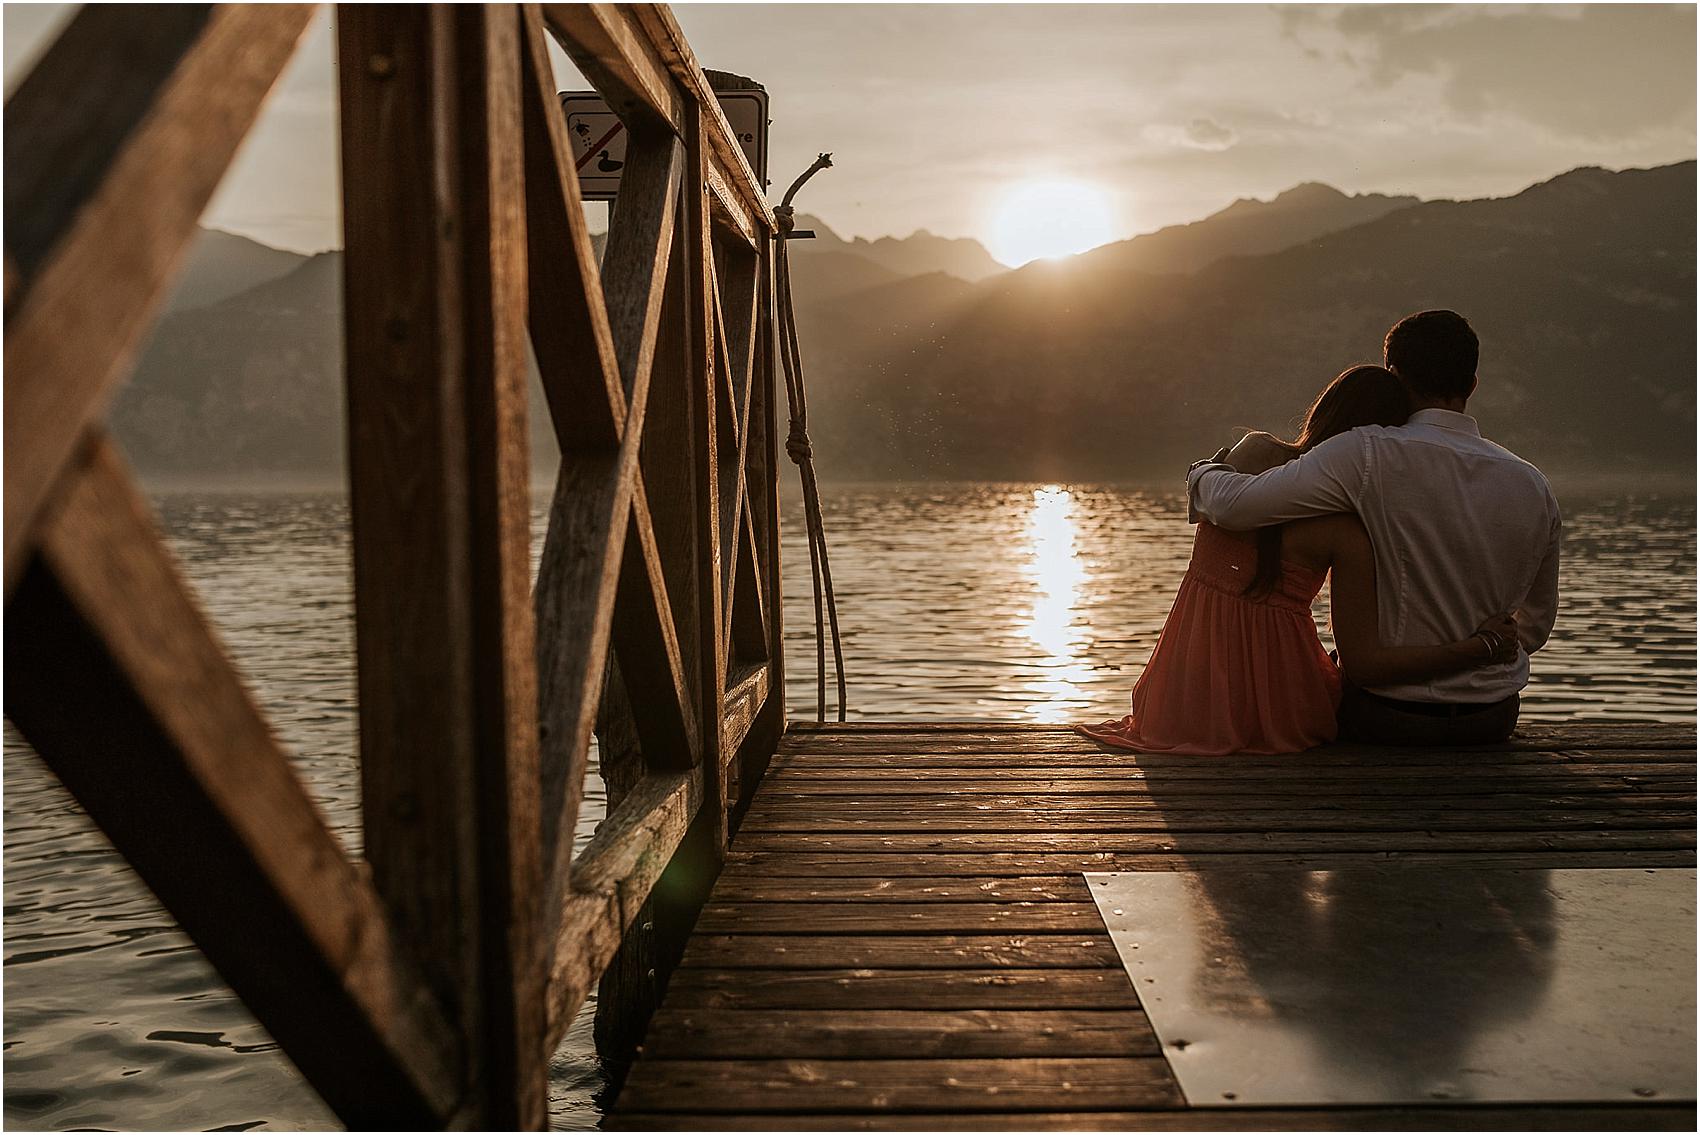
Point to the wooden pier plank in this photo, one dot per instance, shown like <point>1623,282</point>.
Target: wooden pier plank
<point>1583,1117</point>
<point>901,921</point>
<point>956,1084</point>
<point>1101,988</point>
<point>783,1034</point>
<point>1000,950</point>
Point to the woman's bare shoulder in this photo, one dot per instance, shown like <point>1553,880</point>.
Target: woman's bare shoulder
<point>1258,452</point>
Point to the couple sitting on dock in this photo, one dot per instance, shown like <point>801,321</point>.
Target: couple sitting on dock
<point>1441,546</point>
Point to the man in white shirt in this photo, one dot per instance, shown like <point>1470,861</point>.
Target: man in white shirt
<point>1463,529</point>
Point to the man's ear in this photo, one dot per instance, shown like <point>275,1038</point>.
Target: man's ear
<point>1473,382</point>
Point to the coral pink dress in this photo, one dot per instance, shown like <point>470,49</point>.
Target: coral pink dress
<point>1231,674</point>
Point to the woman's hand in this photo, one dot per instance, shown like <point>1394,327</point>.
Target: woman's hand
<point>1496,639</point>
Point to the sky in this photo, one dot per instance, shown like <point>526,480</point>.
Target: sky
<point>935,114</point>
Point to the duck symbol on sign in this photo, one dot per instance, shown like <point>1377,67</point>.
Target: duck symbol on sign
<point>607,164</point>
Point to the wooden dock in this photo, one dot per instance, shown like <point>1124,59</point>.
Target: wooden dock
<point>901,936</point>
<point>898,933</point>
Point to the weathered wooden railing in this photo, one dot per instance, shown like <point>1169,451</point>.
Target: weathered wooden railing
<point>428,984</point>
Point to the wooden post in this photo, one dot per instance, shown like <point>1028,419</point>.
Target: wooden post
<point>762,453</point>
<point>435,323</point>
<point>628,991</point>
<point>700,374</point>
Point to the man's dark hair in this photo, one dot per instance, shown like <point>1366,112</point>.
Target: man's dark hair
<point>1435,353</point>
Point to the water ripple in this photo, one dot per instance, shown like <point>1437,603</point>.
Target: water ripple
<point>958,601</point>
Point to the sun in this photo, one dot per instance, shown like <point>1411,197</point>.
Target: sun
<point>1039,219</point>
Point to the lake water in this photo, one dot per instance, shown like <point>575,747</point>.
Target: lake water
<point>1024,602</point>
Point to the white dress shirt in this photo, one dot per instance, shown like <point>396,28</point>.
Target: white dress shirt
<point>1463,530</point>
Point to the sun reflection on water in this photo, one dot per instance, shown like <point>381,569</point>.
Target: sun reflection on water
<point>1055,567</point>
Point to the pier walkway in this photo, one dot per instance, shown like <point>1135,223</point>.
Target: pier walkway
<point>899,932</point>
<point>902,936</point>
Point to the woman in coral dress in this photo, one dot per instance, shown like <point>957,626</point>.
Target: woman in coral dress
<point>1238,667</point>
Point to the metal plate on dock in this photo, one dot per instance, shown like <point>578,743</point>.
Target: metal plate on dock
<point>1413,985</point>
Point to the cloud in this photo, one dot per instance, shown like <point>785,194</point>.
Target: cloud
<point>1600,72</point>
<point>1199,134</point>
<point>1207,134</point>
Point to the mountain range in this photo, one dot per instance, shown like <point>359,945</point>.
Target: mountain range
<point>926,359</point>
<point>1103,367</point>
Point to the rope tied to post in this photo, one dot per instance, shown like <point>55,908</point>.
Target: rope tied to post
<point>801,453</point>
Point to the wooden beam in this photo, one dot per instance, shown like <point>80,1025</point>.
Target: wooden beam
<point>726,401</point>
<point>748,617</point>
<point>568,320</point>
<point>669,487</point>
<point>699,372</point>
<point>761,475</point>
<point>670,44</point>
<point>636,259</point>
<point>578,582</point>
<point>744,697</point>
<point>647,643</point>
<point>113,144</point>
<point>435,286</point>
<point>735,322</point>
<point>606,43</point>
<point>729,207</point>
<point>118,682</point>
<point>611,880</point>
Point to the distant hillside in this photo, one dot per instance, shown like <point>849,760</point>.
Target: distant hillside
<point>1248,228</point>
<point>221,265</point>
<point>1119,363</point>
<point>253,383</point>
<point>1582,289</point>
<point>244,372</point>
<point>829,275</point>
<point>914,255</point>
<point>250,383</point>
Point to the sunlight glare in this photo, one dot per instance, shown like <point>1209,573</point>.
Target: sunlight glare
<point>1057,574</point>
<point>1041,219</point>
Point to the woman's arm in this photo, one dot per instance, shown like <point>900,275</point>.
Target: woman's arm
<point>1357,632</point>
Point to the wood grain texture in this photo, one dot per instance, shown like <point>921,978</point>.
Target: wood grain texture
<point>612,878</point>
<point>1191,842</point>
<point>761,474</point>
<point>749,613</point>
<point>128,106</point>
<point>647,641</point>
<point>1010,1084</point>
<point>991,736</point>
<point>1656,849</point>
<point>1011,988</point>
<point>914,896</point>
<point>117,680</point>
<point>435,287</point>
<point>606,43</point>
<point>597,582</point>
<point>1489,1117</point>
<point>786,1034</point>
<point>726,159</point>
<point>567,316</point>
<point>1072,918</point>
<point>699,371</point>
<point>810,950</point>
<point>732,214</point>
<point>746,691</point>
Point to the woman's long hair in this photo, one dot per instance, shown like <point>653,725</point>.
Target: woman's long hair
<point>1361,396</point>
